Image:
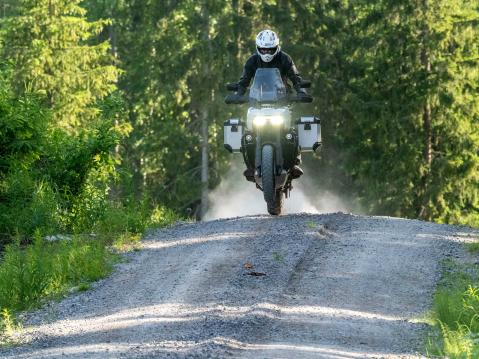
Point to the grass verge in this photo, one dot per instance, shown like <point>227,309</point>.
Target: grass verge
<point>455,314</point>
<point>46,270</point>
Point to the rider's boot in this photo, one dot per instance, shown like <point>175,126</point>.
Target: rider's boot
<point>249,174</point>
<point>296,172</point>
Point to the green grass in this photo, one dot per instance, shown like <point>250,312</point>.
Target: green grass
<point>311,225</point>
<point>278,257</point>
<point>42,270</point>
<point>130,221</point>
<point>473,247</point>
<point>46,270</point>
<point>127,242</point>
<point>455,314</point>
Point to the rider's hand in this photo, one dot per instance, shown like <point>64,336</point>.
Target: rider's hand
<point>234,98</point>
<point>241,91</point>
<point>301,93</point>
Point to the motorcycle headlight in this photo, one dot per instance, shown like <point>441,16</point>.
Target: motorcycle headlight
<point>259,121</point>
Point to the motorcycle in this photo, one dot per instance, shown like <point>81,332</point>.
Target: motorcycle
<point>270,142</point>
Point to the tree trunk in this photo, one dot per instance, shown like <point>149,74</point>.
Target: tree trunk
<point>426,119</point>
<point>426,116</point>
<point>112,34</point>
<point>426,64</point>
<point>204,119</point>
<point>204,163</point>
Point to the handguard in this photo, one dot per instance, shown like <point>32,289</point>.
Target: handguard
<point>303,98</point>
<point>232,86</point>
<point>235,99</point>
<point>305,84</point>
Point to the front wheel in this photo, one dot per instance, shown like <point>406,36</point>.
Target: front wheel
<point>273,198</point>
<point>276,206</point>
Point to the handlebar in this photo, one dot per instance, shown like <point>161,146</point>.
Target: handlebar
<point>233,86</point>
<point>235,99</point>
<point>304,98</point>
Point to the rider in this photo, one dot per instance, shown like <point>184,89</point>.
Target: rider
<point>269,55</point>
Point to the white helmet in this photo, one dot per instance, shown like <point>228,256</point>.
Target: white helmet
<point>267,45</point>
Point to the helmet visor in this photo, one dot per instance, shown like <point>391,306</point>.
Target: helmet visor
<point>267,50</point>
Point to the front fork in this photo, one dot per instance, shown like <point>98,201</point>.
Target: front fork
<point>286,152</point>
<point>274,140</point>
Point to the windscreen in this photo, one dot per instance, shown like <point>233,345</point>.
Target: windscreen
<point>267,86</point>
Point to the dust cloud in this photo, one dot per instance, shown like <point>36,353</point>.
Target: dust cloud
<point>236,197</point>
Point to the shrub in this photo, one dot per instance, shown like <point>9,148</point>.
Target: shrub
<point>132,217</point>
<point>47,269</point>
<point>456,313</point>
<point>28,204</point>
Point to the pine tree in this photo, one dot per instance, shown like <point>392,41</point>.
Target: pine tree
<point>410,130</point>
<point>53,49</point>
<point>172,78</point>
<point>395,84</point>
<point>451,163</point>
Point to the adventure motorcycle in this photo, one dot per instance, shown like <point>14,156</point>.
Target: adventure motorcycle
<point>270,142</point>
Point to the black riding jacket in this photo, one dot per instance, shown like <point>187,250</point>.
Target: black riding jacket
<point>282,61</point>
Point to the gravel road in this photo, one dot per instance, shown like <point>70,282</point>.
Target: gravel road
<point>297,286</point>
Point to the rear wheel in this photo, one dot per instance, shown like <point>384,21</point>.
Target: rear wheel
<point>273,198</point>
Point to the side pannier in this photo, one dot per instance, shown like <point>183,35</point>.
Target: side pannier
<point>233,133</point>
<point>309,133</point>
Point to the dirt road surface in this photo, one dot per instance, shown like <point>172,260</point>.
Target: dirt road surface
<point>297,286</point>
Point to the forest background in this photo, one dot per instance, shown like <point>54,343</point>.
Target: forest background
<point>117,103</point>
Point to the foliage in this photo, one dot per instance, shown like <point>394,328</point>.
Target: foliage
<point>132,219</point>
<point>61,127</point>
<point>46,269</point>
<point>23,122</point>
<point>28,204</point>
<point>61,121</point>
<point>409,130</point>
<point>456,313</point>
<point>395,86</point>
<point>25,201</point>
<point>49,179</point>
<point>8,326</point>
<point>52,46</point>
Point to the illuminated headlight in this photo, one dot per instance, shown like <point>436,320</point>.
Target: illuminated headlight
<point>259,121</point>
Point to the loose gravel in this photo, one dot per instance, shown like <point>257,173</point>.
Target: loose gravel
<point>334,286</point>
